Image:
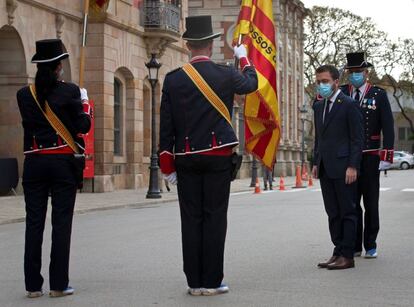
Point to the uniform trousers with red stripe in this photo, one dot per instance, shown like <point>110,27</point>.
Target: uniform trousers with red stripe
<point>46,174</point>
<point>203,191</point>
<point>368,190</point>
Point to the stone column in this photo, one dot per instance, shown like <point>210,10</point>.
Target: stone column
<point>284,90</point>
<point>100,89</point>
<point>294,99</point>
<point>134,134</point>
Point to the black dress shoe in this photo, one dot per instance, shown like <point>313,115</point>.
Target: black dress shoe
<point>341,263</point>
<point>324,265</point>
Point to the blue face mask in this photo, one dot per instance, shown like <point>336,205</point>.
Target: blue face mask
<point>325,90</point>
<point>357,79</point>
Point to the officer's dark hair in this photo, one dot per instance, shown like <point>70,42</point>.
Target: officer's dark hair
<point>333,71</point>
<point>196,45</point>
<point>45,80</point>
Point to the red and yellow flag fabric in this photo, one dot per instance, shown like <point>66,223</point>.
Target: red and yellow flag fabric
<point>99,5</point>
<point>261,111</point>
<point>243,23</point>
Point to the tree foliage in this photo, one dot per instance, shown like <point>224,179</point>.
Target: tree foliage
<point>401,55</point>
<point>330,33</point>
<point>407,60</point>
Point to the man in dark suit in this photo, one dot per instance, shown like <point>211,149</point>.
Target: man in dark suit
<point>196,143</point>
<point>378,119</point>
<point>337,156</point>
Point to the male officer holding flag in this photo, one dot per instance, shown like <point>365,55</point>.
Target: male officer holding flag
<point>196,141</point>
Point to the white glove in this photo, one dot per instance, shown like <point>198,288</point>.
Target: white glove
<point>171,178</point>
<point>384,165</point>
<point>240,51</point>
<point>84,94</point>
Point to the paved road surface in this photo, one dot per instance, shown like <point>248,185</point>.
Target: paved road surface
<point>132,257</point>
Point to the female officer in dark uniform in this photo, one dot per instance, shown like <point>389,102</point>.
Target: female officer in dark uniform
<point>49,165</point>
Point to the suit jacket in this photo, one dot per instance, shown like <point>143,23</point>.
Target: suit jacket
<point>377,119</point>
<point>189,124</point>
<point>338,139</point>
<point>65,101</point>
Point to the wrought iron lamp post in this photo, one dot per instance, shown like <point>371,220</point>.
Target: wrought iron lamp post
<point>153,190</point>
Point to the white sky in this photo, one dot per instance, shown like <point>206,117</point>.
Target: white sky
<point>396,17</point>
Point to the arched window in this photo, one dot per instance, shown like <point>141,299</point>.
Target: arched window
<point>13,76</point>
<point>118,98</point>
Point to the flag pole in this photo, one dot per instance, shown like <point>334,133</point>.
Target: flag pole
<point>83,44</point>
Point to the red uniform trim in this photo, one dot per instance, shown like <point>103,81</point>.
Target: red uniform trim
<point>351,90</point>
<point>225,151</point>
<point>222,151</point>
<point>244,62</point>
<point>87,108</point>
<point>200,58</point>
<point>387,155</point>
<point>55,151</point>
<point>34,144</point>
<point>214,141</point>
<point>187,145</point>
<point>167,163</point>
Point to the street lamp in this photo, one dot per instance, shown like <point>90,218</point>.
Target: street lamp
<point>303,111</point>
<point>153,190</point>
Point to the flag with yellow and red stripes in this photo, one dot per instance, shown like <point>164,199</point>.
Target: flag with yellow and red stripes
<point>99,5</point>
<point>261,111</point>
<point>243,23</point>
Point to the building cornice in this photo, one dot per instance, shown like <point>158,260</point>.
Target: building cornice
<point>109,20</point>
<point>73,16</point>
<point>78,17</point>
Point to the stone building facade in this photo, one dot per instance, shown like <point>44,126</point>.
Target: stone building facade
<point>288,17</point>
<point>119,43</point>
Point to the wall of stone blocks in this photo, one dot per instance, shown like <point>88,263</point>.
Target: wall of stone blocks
<point>115,47</point>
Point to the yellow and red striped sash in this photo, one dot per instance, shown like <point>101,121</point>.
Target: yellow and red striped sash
<point>55,122</point>
<point>207,91</point>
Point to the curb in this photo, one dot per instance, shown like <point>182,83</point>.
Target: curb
<point>145,204</point>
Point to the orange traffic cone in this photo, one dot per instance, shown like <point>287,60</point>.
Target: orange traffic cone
<point>310,181</point>
<point>282,184</point>
<point>257,187</point>
<point>298,178</point>
<point>304,173</point>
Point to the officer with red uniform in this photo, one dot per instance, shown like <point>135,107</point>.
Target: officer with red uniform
<point>196,142</point>
<point>377,155</point>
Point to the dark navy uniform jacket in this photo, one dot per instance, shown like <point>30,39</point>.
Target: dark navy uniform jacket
<point>65,101</point>
<point>189,124</point>
<point>378,118</point>
<point>338,139</point>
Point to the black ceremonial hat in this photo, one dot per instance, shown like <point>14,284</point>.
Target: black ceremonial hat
<point>357,60</point>
<point>199,28</point>
<point>49,50</point>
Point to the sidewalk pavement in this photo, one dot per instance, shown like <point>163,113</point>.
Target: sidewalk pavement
<point>12,208</point>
